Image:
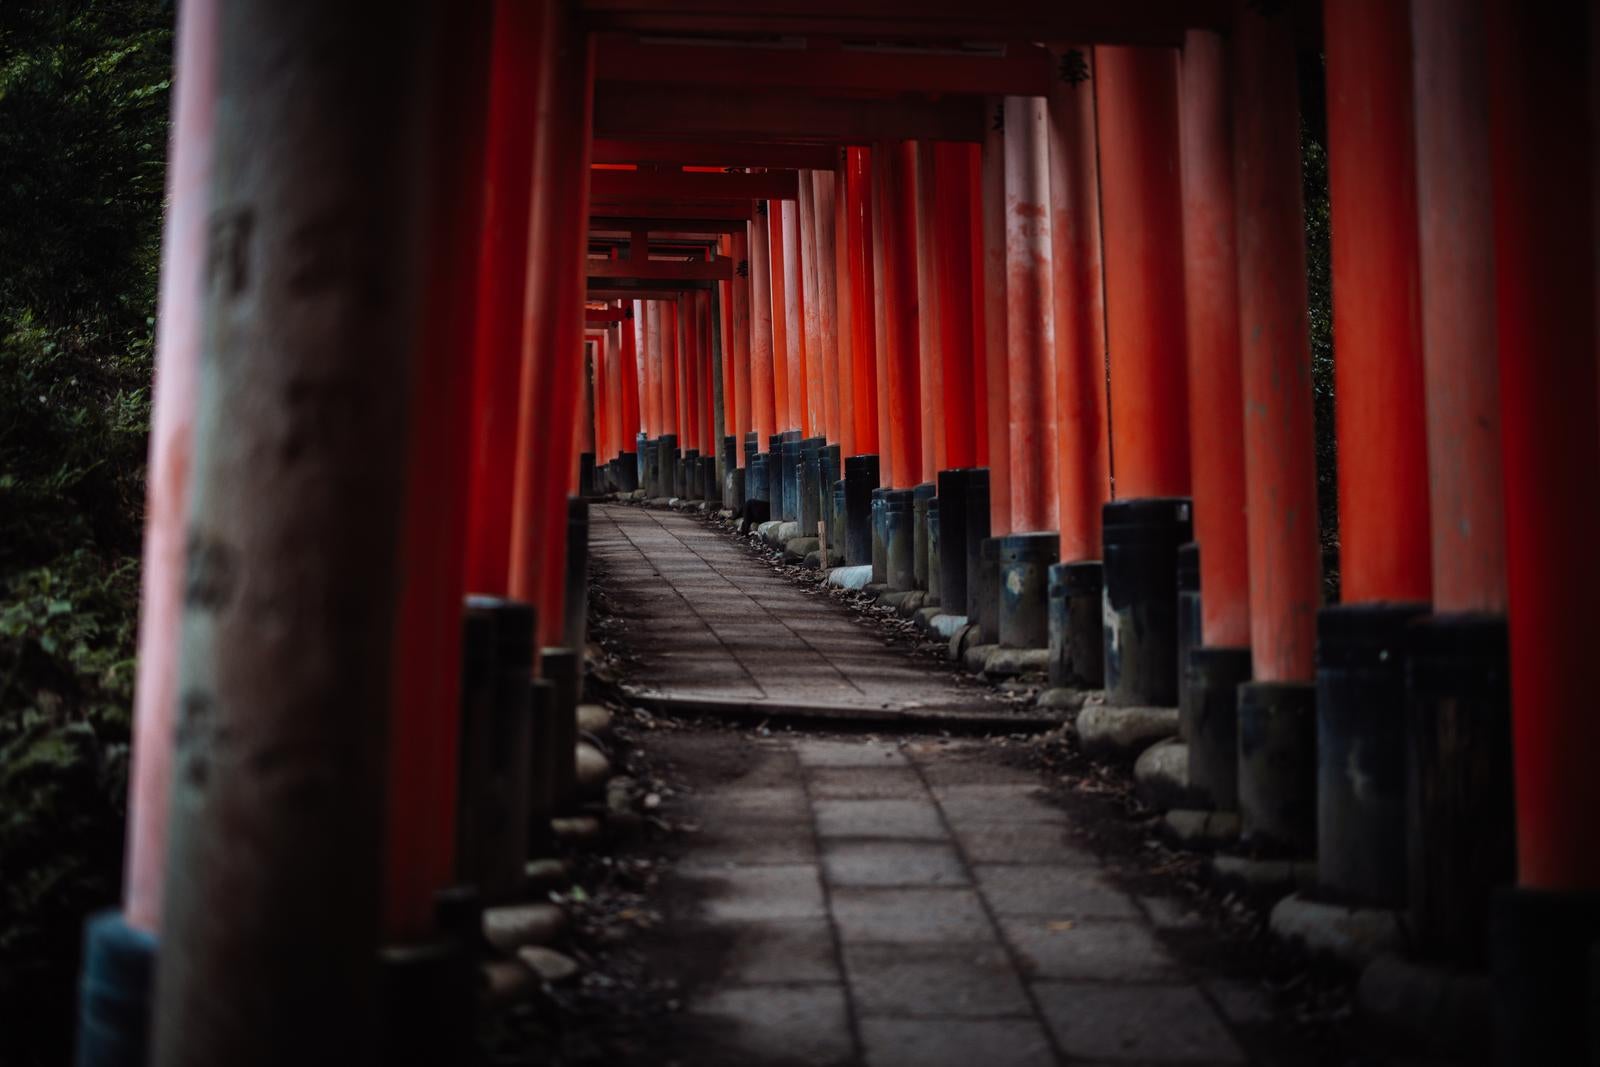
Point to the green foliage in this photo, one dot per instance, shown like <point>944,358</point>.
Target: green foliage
<point>83,120</point>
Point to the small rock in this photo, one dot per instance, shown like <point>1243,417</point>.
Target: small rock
<point>855,577</point>
<point>796,548</point>
<point>1259,878</point>
<point>1354,936</point>
<point>1161,774</point>
<point>1062,698</point>
<point>593,769</point>
<point>519,925</point>
<point>506,981</point>
<point>1123,733</point>
<point>550,965</point>
<point>1010,662</point>
<point>1201,829</point>
<point>577,829</point>
<point>594,719</point>
<point>977,656</point>
<point>543,874</point>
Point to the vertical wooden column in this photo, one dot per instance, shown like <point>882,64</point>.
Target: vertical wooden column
<point>1083,477</point>
<point>502,291</point>
<point>930,360</point>
<point>818,393</point>
<point>878,162</point>
<point>1383,458</point>
<point>1141,205</point>
<point>780,314</point>
<point>710,445</point>
<point>689,356</point>
<point>962,383</point>
<point>1211,284</point>
<point>992,213</point>
<point>1275,353</point>
<point>553,335</point>
<point>172,418</point>
<point>741,341</point>
<point>843,304</point>
<point>863,333</point>
<point>312,323</point>
<point>797,415</point>
<point>1030,316</point>
<point>670,406</point>
<point>900,269</point>
<point>618,383</point>
<point>836,393</point>
<point>763,417</point>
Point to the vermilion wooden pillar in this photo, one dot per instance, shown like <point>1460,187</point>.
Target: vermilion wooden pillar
<point>1030,316</point>
<point>858,231</point>
<point>178,343</point>
<point>762,415</point>
<point>1545,281</point>
<point>1383,458</point>
<point>822,215</point>
<point>1141,206</point>
<point>295,549</point>
<point>930,361</point>
<point>671,421</point>
<point>1275,353</point>
<point>618,384</point>
<point>1455,210</point>
<point>689,349</point>
<point>844,307</point>
<point>502,292</point>
<point>797,415</point>
<point>962,382</point>
<point>553,336</point>
<point>741,342</point>
<point>1084,474</point>
<point>780,313</point>
<point>900,269</point>
<point>877,190</point>
<point>1211,283</point>
<point>992,212</point>
<point>817,392</point>
<point>652,350</point>
<point>708,436</point>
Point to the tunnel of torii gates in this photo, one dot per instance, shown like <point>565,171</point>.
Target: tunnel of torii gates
<point>1040,308</point>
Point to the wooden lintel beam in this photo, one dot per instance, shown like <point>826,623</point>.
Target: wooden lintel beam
<point>680,226</point>
<point>624,110</point>
<point>776,156</point>
<point>602,316</point>
<point>662,270</point>
<point>655,210</point>
<point>1014,69</point>
<point>609,185</point>
<point>620,289</point>
<point>1153,22</point>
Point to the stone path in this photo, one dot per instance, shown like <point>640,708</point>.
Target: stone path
<point>862,901</point>
<point>719,628</point>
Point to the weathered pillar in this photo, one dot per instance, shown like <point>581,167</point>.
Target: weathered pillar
<point>962,378</point>
<point>1083,472</point>
<point>992,215</point>
<point>817,393</point>
<point>796,414</point>
<point>741,337</point>
<point>858,229</point>
<point>877,163</point>
<point>1385,576</point>
<point>762,415</point>
<point>1210,679</point>
<point>772,212</point>
<point>930,368</point>
<point>825,193</point>
<point>318,246</point>
<point>1277,716</point>
<point>1542,935</point>
<point>1142,209</point>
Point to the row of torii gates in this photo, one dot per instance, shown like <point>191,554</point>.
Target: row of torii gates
<point>1079,265</point>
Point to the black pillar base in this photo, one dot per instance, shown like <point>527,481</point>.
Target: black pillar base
<point>1210,706</point>
<point>880,544</point>
<point>1545,957</point>
<point>832,508</point>
<point>974,531</point>
<point>1141,590</point>
<point>627,472</point>
<point>1189,619</point>
<point>985,592</point>
<point>587,483</point>
<point>1022,588</point>
<point>952,578</point>
<point>427,997</point>
<point>563,668</point>
<point>1361,752</point>
<point>808,507</point>
<point>1277,767</point>
<point>1077,627</point>
<point>860,479</point>
<point>921,576</point>
<point>1460,817</point>
<point>114,993</point>
<point>899,538</point>
<point>935,556</point>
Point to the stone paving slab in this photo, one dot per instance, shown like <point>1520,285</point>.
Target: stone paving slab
<point>687,587</point>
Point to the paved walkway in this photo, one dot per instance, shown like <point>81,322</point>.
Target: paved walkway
<point>720,628</point>
<point>861,901</point>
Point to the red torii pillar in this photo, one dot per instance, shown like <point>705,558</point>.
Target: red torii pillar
<point>797,415</point>
<point>1277,711</point>
<point>779,284</point>
<point>1142,211</point>
<point>1386,575</point>
<point>763,418</point>
<point>900,285</point>
<point>858,228</point>
<point>1542,935</point>
<point>822,222</point>
<point>992,212</point>
<point>961,353</point>
<point>818,394</point>
<point>1220,659</point>
<point>740,402</point>
<point>877,198</point>
<point>502,294</point>
<point>930,366</point>
<point>1083,473</point>
<point>836,271</point>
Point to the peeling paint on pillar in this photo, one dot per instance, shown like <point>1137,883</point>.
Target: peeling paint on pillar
<point>311,327</point>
